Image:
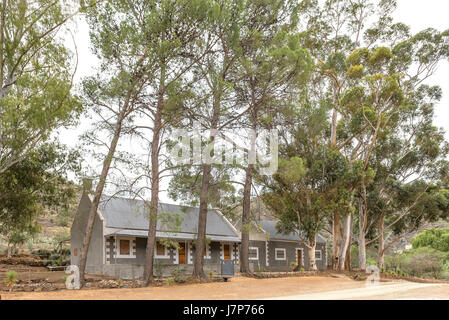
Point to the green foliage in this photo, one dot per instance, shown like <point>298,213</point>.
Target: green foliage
<point>36,77</point>
<point>178,275</point>
<point>422,262</point>
<point>11,279</point>
<point>437,239</point>
<point>32,187</point>
<point>170,281</point>
<point>158,268</point>
<point>57,257</point>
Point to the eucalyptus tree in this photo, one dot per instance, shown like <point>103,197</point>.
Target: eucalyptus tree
<point>313,179</point>
<point>340,30</point>
<point>331,30</point>
<point>36,75</point>
<point>386,83</point>
<point>410,167</point>
<point>29,188</point>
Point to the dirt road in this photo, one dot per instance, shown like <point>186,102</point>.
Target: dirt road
<point>248,288</point>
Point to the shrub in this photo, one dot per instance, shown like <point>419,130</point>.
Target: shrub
<point>424,262</point>
<point>211,274</point>
<point>170,281</point>
<point>158,269</point>
<point>434,238</point>
<point>178,275</point>
<point>11,279</point>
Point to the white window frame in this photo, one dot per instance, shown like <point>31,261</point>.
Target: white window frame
<point>231,250</point>
<point>166,254</point>
<point>301,250</point>
<point>132,242</point>
<point>257,253</point>
<point>321,255</point>
<point>276,250</point>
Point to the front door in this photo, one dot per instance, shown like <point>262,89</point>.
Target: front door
<point>227,251</point>
<point>182,253</point>
<point>299,255</point>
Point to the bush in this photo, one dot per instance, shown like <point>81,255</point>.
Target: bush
<point>178,275</point>
<point>11,279</point>
<point>422,262</point>
<point>371,256</point>
<point>170,281</point>
<point>434,238</point>
<point>158,269</point>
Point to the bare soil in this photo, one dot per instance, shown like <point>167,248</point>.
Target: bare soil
<point>37,282</point>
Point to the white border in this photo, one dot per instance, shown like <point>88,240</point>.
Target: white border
<point>276,250</point>
<point>166,254</point>
<point>231,249</point>
<point>132,247</point>
<point>257,256</point>
<point>302,256</point>
<point>321,255</point>
<point>177,252</point>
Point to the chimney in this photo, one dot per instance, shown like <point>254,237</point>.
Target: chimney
<point>87,185</point>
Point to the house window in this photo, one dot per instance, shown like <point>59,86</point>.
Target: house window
<point>280,254</point>
<point>125,247</point>
<point>317,254</point>
<point>161,250</point>
<point>253,253</point>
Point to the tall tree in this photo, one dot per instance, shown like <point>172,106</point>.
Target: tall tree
<point>151,47</point>
<point>312,181</point>
<point>112,93</point>
<point>331,30</point>
<point>36,76</point>
<point>271,71</point>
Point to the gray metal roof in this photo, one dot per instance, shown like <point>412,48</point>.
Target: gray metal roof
<point>122,213</point>
<point>270,227</point>
<point>171,235</point>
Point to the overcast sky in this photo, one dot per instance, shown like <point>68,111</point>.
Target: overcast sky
<point>418,14</point>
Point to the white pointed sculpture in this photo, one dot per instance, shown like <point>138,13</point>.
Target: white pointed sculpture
<point>73,280</point>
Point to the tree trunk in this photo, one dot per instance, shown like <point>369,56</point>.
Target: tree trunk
<point>348,263</point>
<point>345,241</point>
<point>363,216</point>
<point>198,263</point>
<point>98,193</point>
<point>381,250</point>
<point>9,251</point>
<point>361,239</point>
<point>154,206</point>
<point>336,241</point>
<point>244,252</point>
<point>362,252</point>
<point>312,260</point>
